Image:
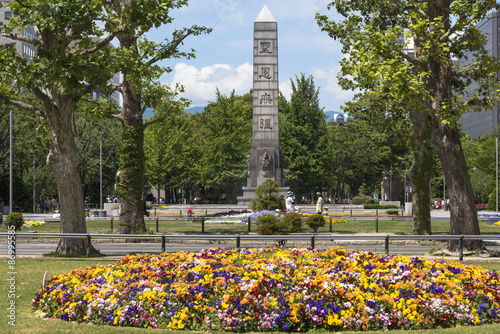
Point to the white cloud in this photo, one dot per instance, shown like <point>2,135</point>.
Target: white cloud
<point>286,89</point>
<point>326,78</point>
<point>200,84</point>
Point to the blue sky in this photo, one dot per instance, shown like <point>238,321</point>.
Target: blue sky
<point>224,57</point>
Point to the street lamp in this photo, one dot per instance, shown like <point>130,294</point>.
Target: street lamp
<point>11,174</point>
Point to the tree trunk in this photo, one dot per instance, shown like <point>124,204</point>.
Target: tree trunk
<point>463,215</point>
<point>64,161</point>
<point>421,170</point>
<point>131,170</point>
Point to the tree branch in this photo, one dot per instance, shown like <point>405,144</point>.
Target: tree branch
<point>102,42</point>
<point>24,106</point>
<point>170,49</point>
<point>21,38</point>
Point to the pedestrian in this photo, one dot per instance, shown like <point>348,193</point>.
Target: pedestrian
<point>190,213</point>
<point>54,204</point>
<point>42,203</point>
<point>289,202</point>
<point>144,207</point>
<point>319,203</point>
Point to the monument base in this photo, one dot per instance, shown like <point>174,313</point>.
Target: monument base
<point>249,195</point>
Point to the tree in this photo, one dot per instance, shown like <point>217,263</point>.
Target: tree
<point>68,64</point>
<point>141,89</point>
<point>428,82</point>
<point>268,197</point>
<point>226,132</point>
<point>303,138</point>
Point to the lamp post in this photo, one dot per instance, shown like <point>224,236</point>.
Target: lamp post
<point>10,162</point>
<point>100,173</point>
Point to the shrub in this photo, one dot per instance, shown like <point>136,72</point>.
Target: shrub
<point>393,212</point>
<point>270,225</point>
<point>294,221</point>
<point>15,219</point>
<point>362,199</point>
<point>268,197</point>
<point>1,218</point>
<point>315,222</point>
<point>378,206</point>
<point>492,201</point>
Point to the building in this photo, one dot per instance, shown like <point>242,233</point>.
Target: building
<point>485,121</point>
<point>27,50</point>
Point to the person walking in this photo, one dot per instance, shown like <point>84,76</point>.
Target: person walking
<point>42,203</point>
<point>289,202</point>
<point>319,203</point>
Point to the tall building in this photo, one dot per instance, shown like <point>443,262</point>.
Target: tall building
<point>27,50</point>
<point>485,121</point>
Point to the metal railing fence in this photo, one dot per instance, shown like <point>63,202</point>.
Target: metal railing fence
<point>239,237</point>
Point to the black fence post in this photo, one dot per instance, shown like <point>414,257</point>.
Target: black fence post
<point>202,224</point>
<point>461,249</point>
<point>89,244</point>
<point>312,242</point>
<point>249,223</point>
<point>180,213</point>
<point>155,211</point>
<point>386,250</point>
<point>331,225</point>
<point>351,212</point>
<point>238,241</point>
<point>163,243</point>
<point>111,224</point>
<point>157,223</point>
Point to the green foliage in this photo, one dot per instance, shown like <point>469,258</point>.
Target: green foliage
<point>1,218</point>
<point>315,222</point>
<point>226,138</point>
<point>303,137</point>
<point>361,199</point>
<point>268,197</point>
<point>294,221</point>
<point>270,225</point>
<point>393,212</point>
<point>378,206</point>
<point>15,219</point>
<point>492,201</point>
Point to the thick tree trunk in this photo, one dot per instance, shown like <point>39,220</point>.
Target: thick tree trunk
<point>463,215</point>
<point>421,170</point>
<point>446,136</point>
<point>131,170</point>
<point>64,161</point>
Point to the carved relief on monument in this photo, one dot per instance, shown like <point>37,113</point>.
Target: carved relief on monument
<point>265,164</point>
<point>265,47</point>
<point>266,123</point>
<point>266,72</point>
<point>266,99</point>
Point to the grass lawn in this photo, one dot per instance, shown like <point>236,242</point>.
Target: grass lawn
<point>29,279</point>
<point>183,226</point>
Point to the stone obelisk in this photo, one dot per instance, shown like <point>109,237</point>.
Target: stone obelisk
<point>265,160</point>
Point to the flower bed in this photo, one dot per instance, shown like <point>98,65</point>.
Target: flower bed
<point>274,290</point>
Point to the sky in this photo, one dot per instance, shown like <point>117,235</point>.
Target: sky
<point>224,57</point>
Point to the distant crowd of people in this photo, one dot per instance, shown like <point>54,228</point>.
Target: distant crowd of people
<point>441,205</point>
<point>48,205</point>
